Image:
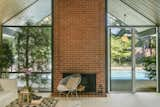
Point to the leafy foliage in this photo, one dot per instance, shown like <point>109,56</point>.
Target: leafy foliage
<point>33,48</point>
<point>150,67</point>
<point>150,61</point>
<point>34,79</point>
<point>6,56</point>
<point>120,49</point>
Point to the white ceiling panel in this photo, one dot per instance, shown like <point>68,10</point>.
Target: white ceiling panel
<point>9,8</point>
<point>126,13</point>
<point>34,13</point>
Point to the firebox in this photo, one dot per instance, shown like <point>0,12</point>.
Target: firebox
<point>88,80</point>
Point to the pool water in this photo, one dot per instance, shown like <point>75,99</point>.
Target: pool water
<point>127,74</point>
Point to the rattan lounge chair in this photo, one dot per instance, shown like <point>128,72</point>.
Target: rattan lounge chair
<point>69,84</point>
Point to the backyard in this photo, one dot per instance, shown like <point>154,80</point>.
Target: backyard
<point>122,59</point>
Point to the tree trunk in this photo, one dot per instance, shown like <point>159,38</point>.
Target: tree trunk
<point>27,80</point>
<point>27,60</point>
<point>18,53</point>
<point>0,72</point>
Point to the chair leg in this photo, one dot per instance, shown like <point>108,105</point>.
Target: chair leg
<point>68,93</point>
<point>76,94</point>
<point>71,93</point>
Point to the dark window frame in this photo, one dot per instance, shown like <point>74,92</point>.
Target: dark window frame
<point>52,44</point>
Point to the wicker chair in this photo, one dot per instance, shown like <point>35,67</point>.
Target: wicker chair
<point>69,84</point>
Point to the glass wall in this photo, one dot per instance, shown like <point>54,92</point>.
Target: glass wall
<point>132,39</point>
<point>121,59</point>
<point>133,59</point>
<point>27,47</point>
<point>145,59</point>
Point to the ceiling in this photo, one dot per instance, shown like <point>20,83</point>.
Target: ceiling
<point>9,8</point>
<point>34,13</point>
<point>138,12</point>
<point>18,12</point>
<point>148,8</point>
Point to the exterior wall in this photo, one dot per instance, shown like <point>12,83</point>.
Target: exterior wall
<point>79,39</point>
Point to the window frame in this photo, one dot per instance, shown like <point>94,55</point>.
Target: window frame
<point>52,44</point>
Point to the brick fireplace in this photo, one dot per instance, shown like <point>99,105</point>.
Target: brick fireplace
<point>79,39</point>
<point>88,80</point>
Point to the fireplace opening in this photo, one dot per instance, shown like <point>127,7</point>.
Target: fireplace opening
<point>88,80</point>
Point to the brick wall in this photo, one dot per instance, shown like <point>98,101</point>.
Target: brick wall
<point>79,38</point>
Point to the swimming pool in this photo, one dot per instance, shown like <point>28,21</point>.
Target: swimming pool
<point>126,74</point>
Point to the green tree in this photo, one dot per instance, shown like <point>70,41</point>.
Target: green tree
<point>33,49</point>
<point>150,67</point>
<point>120,50</point>
<point>6,56</point>
<point>150,61</point>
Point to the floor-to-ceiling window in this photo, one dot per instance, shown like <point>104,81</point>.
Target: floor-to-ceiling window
<point>133,59</point>
<point>145,48</point>
<point>121,59</point>
<point>132,49</point>
<point>27,43</point>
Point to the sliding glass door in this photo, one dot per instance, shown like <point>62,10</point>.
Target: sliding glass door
<point>121,59</point>
<point>132,59</point>
<point>145,56</point>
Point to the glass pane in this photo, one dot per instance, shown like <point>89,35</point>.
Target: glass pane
<point>145,53</point>
<point>26,47</point>
<point>114,21</point>
<point>121,79</point>
<point>45,21</point>
<point>38,82</point>
<point>35,13</point>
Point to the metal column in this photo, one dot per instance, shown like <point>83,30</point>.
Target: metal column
<point>158,59</point>
<point>133,60</point>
